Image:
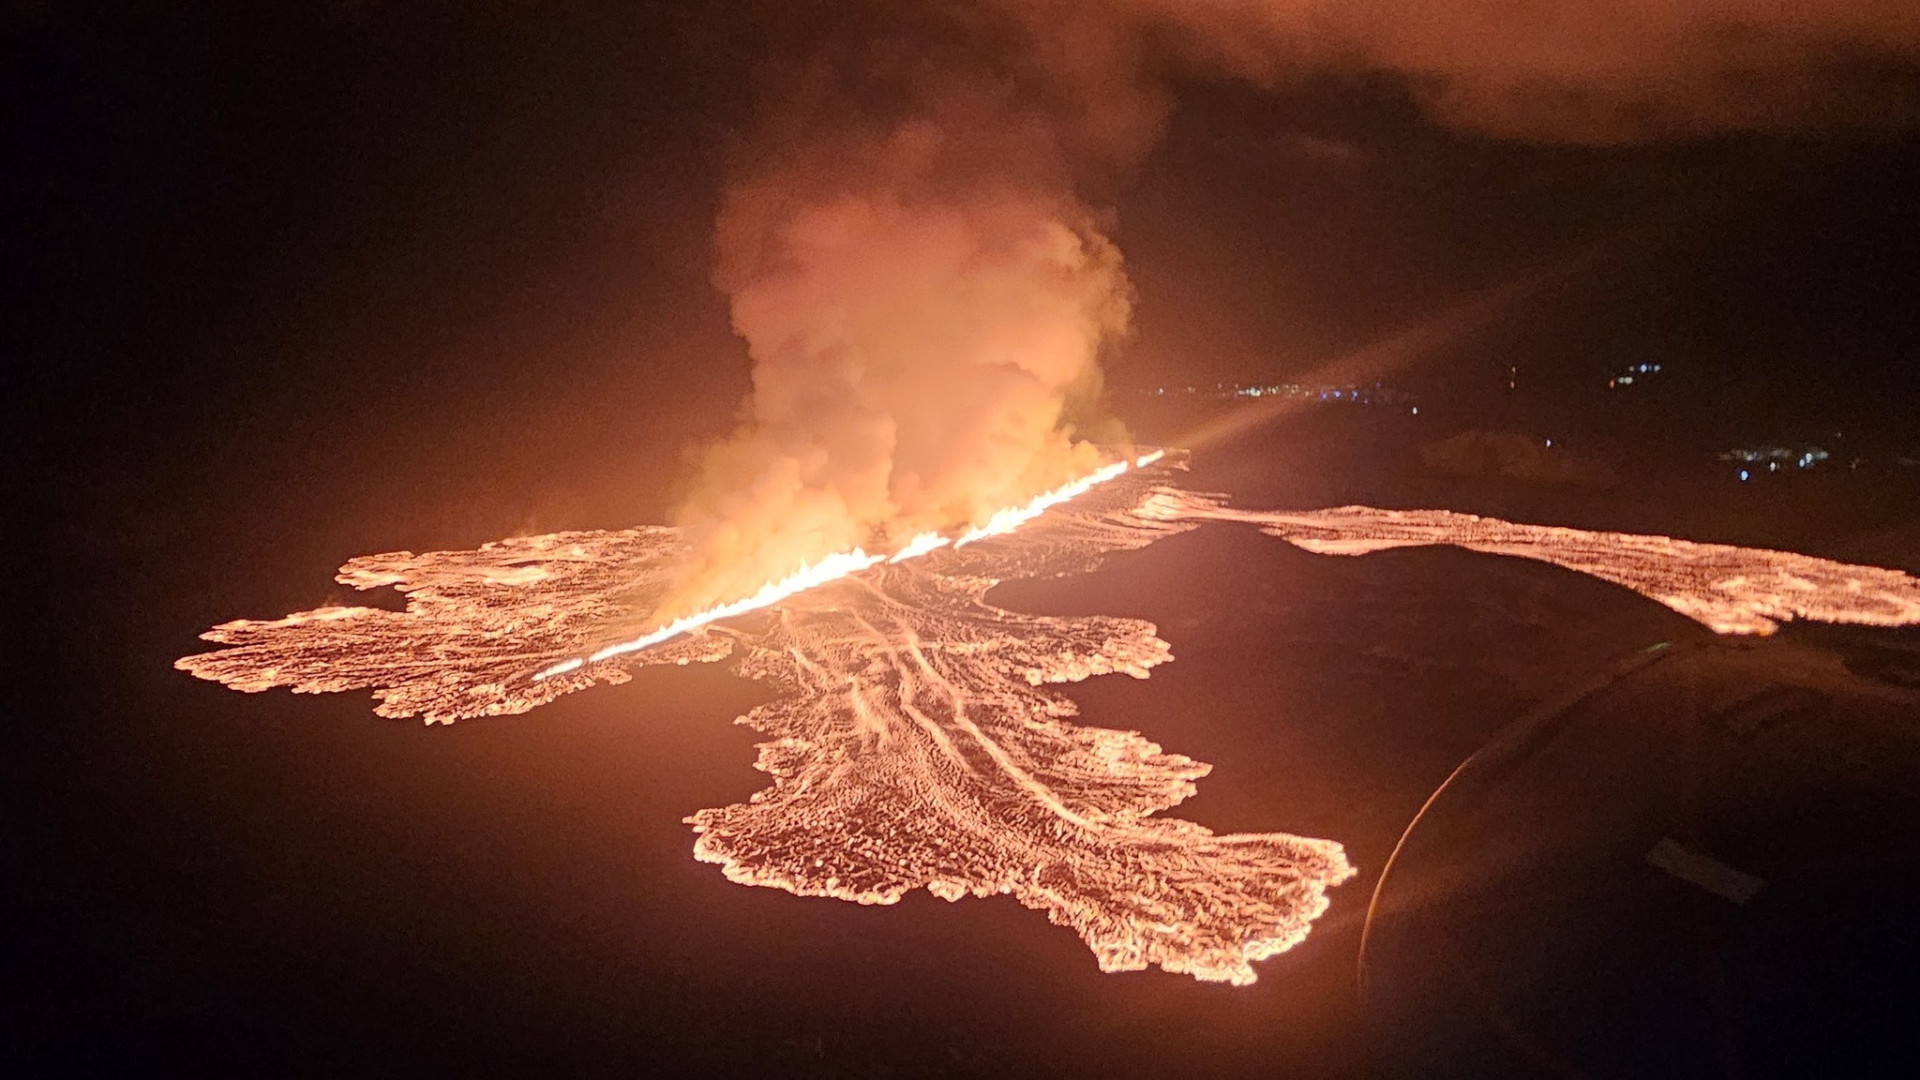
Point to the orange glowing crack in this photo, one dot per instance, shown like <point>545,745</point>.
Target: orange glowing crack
<point>920,545</point>
<point>847,563</point>
<point>832,568</point>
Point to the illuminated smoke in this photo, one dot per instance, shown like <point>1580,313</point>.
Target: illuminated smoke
<point>1557,70</point>
<point>925,303</point>
<point>843,564</point>
<point>925,293</point>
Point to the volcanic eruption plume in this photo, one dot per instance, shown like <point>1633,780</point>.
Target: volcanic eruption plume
<point>925,294</point>
<point>925,290</point>
<point>924,301</point>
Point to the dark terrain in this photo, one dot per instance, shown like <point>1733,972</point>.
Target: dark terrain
<point>286,884</point>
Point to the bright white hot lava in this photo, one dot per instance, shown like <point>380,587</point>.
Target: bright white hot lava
<point>842,564</point>
<point>916,739</point>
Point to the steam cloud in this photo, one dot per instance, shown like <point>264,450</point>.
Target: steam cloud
<point>924,302</point>
<point>925,296</point>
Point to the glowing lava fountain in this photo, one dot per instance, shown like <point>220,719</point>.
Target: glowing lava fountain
<point>844,563</point>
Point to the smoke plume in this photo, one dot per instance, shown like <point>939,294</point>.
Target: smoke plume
<point>924,299</point>
<point>925,295</point>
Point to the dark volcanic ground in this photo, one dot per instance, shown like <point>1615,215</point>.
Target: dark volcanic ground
<point>287,884</point>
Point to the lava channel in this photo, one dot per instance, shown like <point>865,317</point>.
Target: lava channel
<point>916,739</point>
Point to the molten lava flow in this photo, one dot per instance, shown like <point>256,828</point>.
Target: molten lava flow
<point>914,741</point>
<point>1733,590</point>
<point>914,738</point>
<point>1005,521</point>
<point>920,545</point>
<point>843,564</point>
<point>831,568</point>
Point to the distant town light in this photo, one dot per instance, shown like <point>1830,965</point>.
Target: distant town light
<point>1627,375</point>
<point>1378,394</point>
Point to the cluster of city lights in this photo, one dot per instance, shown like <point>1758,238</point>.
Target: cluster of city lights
<point>1752,459</point>
<point>1376,394</point>
<point>1632,372</point>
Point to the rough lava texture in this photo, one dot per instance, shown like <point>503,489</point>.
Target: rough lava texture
<point>1732,590</point>
<point>475,624</point>
<point>917,739</point>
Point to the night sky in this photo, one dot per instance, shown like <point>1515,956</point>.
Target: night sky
<point>243,222</point>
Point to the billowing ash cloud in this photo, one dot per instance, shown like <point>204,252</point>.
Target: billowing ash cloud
<point>925,296</point>
<point>924,299</point>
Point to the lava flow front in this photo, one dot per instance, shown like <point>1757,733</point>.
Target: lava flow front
<point>916,740</point>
